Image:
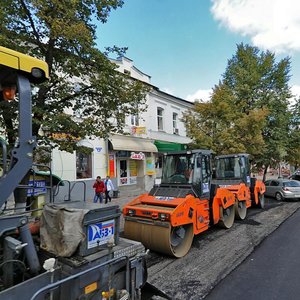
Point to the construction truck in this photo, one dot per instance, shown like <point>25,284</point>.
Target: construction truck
<point>73,251</point>
<point>187,202</point>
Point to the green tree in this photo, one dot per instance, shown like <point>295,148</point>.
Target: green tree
<point>217,125</point>
<point>83,81</point>
<point>293,150</point>
<point>248,110</point>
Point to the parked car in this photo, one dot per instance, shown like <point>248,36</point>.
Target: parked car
<point>295,176</point>
<point>283,189</point>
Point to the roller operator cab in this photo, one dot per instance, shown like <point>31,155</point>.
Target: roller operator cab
<point>234,168</point>
<point>73,251</point>
<point>233,172</point>
<point>185,203</point>
<point>191,169</point>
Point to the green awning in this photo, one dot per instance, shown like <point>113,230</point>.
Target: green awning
<point>169,146</point>
<point>55,179</point>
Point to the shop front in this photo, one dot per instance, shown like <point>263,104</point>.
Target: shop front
<point>131,162</point>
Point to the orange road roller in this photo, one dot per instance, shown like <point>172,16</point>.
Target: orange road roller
<point>185,203</point>
<point>232,172</point>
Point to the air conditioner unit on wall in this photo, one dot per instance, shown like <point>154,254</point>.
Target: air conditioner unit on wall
<point>175,131</point>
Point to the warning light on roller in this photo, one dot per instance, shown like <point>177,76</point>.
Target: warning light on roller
<point>9,93</point>
<point>131,212</point>
<point>163,216</point>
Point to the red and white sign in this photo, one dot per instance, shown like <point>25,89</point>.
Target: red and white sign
<point>138,156</point>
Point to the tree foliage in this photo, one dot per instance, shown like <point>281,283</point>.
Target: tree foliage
<point>293,150</point>
<point>86,96</point>
<point>248,110</point>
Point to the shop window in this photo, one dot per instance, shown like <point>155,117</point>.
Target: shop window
<point>158,163</point>
<point>123,168</point>
<point>160,112</point>
<point>133,166</point>
<point>83,165</point>
<point>158,166</point>
<point>123,172</point>
<point>128,171</point>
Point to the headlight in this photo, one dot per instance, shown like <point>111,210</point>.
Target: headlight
<point>131,212</point>
<point>163,216</point>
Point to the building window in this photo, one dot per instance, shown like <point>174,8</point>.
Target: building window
<point>175,121</point>
<point>160,112</point>
<point>127,72</point>
<point>135,120</point>
<point>83,165</point>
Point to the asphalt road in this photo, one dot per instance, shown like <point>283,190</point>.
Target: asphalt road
<point>272,271</point>
<point>217,252</point>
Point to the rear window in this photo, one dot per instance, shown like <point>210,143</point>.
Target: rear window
<point>274,183</point>
<point>292,184</point>
<point>296,177</point>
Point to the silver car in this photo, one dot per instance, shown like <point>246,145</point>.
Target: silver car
<point>283,189</point>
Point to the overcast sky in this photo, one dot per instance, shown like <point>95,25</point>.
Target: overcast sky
<point>185,45</point>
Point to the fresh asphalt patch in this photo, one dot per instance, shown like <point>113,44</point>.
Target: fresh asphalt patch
<point>216,252</point>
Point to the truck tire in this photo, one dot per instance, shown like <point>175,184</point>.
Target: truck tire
<point>278,197</point>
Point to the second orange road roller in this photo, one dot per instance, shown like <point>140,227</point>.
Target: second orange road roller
<point>185,203</point>
<point>233,172</point>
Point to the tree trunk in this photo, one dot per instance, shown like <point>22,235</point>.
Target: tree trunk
<point>265,172</point>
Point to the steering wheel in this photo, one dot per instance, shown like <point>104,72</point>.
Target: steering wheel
<point>177,178</point>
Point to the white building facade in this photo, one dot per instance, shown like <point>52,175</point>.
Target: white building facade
<point>131,160</point>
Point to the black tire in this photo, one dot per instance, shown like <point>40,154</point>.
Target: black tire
<point>278,197</point>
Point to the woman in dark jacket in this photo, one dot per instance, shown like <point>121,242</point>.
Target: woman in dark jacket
<point>99,189</point>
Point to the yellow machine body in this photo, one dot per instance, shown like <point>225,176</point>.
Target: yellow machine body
<point>24,63</point>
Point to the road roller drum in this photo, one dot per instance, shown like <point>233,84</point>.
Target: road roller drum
<point>160,237</point>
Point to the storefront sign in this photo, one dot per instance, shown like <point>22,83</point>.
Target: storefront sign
<point>138,156</point>
<point>123,180</point>
<point>123,154</point>
<point>133,180</point>
<point>138,130</point>
<point>133,168</point>
<point>111,166</point>
<point>39,188</point>
<point>62,136</point>
<point>150,166</point>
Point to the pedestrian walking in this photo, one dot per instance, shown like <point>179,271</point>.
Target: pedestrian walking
<point>108,188</point>
<point>99,189</point>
